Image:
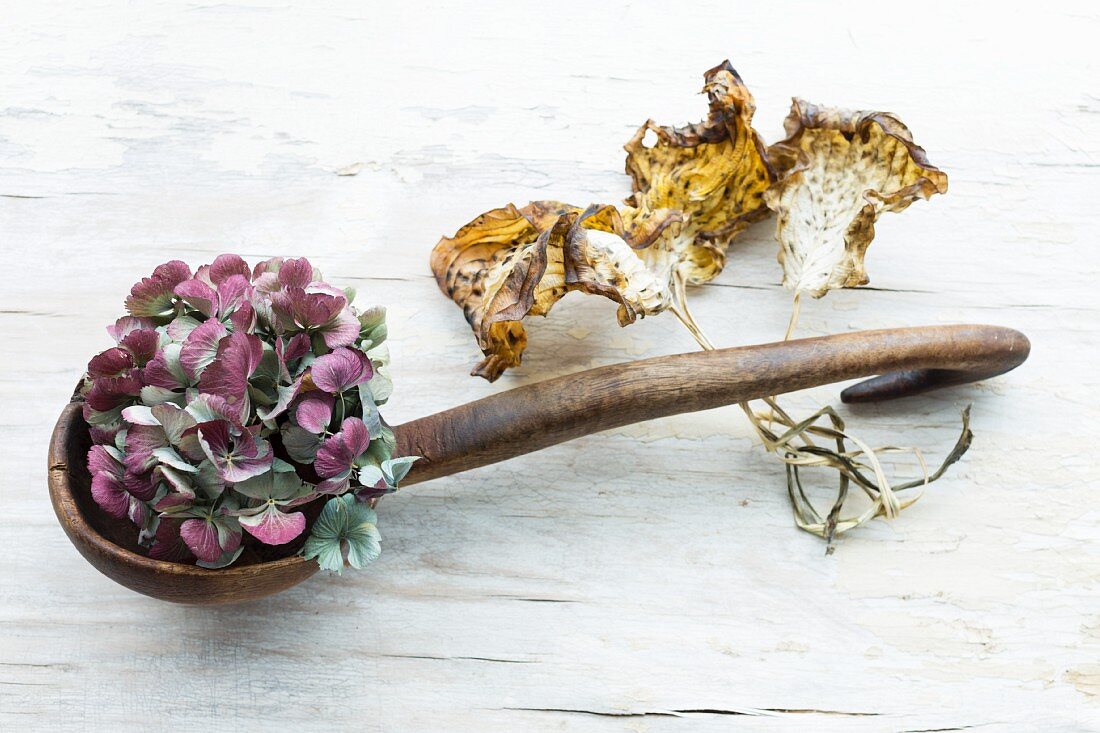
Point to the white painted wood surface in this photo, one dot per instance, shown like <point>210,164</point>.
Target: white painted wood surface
<point>648,579</point>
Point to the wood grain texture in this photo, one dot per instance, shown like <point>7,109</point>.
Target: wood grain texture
<point>648,578</point>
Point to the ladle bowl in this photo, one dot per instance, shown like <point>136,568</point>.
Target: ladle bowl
<point>526,419</point>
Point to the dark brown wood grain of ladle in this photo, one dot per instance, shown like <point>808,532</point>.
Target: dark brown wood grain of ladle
<point>526,419</point>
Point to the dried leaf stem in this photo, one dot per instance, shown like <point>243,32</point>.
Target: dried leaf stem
<point>793,443</point>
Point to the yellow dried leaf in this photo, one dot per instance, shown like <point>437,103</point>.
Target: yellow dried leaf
<point>694,190</point>
<point>511,263</point>
<point>715,172</point>
<point>838,169</point>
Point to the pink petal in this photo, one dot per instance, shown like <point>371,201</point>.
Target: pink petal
<point>198,295</point>
<point>141,441</point>
<point>114,362</point>
<point>296,273</point>
<point>126,324</point>
<point>235,460</point>
<point>142,343</point>
<point>158,373</point>
<point>153,296</point>
<point>273,527</point>
<point>343,331</point>
<point>338,453</point>
<point>102,435</point>
<point>266,282</point>
<point>342,369</point>
<point>233,291</point>
<point>201,537</point>
<point>107,393</point>
<point>315,411</point>
<point>268,266</point>
<point>140,485</point>
<point>110,494</point>
<point>227,376</point>
<point>244,318</point>
<point>137,511</point>
<point>297,347</point>
<point>100,460</point>
<point>201,346</point>
<point>226,266</point>
<point>297,310</point>
<point>174,271</point>
<point>336,485</point>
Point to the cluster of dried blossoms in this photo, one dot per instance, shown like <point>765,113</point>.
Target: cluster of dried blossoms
<point>694,190</point>
<point>236,396</point>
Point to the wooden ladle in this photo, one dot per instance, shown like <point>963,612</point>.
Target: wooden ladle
<point>525,419</point>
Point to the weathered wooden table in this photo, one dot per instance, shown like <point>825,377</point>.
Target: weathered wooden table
<point>645,579</point>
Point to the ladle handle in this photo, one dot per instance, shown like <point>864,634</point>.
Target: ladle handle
<point>536,416</point>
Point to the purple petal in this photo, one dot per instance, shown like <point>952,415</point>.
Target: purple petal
<point>107,393</point>
<point>201,537</point>
<point>137,511</point>
<point>297,310</point>
<point>126,324</point>
<point>296,273</point>
<point>233,291</point>
<point>273,527</point>
<point>198,295</point>
<point>100,460</point>
<point>140,485</point>
<point>209,408</point>
<point>244,318</point>
<point>201,347</point>
<point>103,435</point>
<point>268,266</point>
<point>226,266</point>
<point>343,331</point>
<point>337,485</point>
<point>337,454</point>
<point>315,411</point>
<point>227,376</point>
<point>141,441</point>
<point>234,460</point>
<point>297,347</point>
<point>114,362</point>
<point>110,494</point>
<point>168,545</point>
<point>266,282</point>
<point>180,429</point>
<point>342,369</point>
<point>159,372</point>
<point>215,438</point>
<point>171,501</point>
<point>153,296</point>
<point>142,343</point>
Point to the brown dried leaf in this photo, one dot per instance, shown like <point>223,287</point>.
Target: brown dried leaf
<point>510,263</point>
<point>715,172</point>
<point>694,190</point>
<point>838,169</point>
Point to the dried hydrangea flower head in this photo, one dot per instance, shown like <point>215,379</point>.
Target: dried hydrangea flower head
<point>234,399</point>
<point>838,170</point>
<point>694,190</point>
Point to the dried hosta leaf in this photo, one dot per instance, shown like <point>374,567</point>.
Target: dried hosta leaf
<point>838,169</point>
<point>715,172</point>
<point>511,263</point>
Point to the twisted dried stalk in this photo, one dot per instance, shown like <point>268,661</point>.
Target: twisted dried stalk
<point>793,444</point>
